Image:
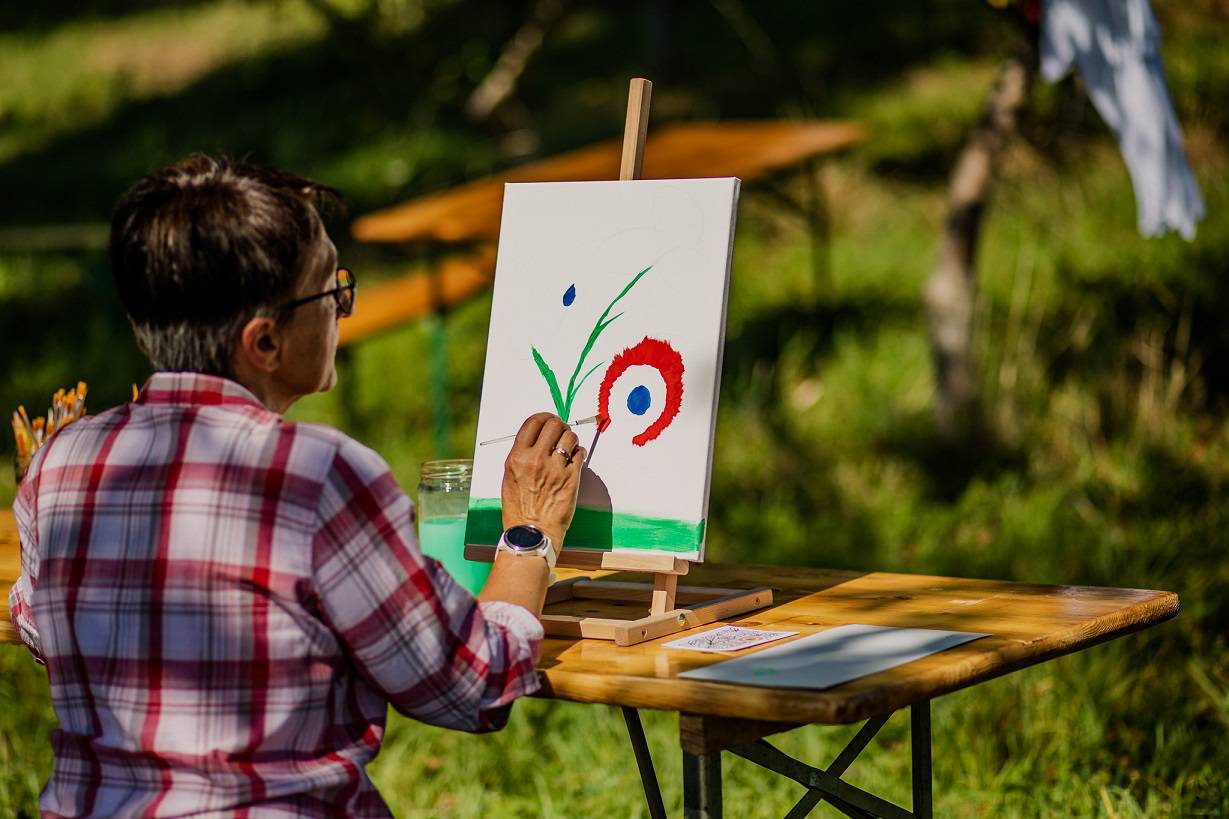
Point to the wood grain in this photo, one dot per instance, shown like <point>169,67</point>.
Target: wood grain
<point>1029,624</point>
<point>10,567</point>
<point>639,95</point>
<point>665,590</point>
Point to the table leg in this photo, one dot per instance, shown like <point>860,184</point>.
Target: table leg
<point>841,764</point>
<point>703,739</point>
<point>702,785</point>
<point>644,761</point>
<point>920,736</point>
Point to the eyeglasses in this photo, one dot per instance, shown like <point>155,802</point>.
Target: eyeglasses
<point>343,294</point>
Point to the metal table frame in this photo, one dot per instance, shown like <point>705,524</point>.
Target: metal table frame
<point>702,769</point>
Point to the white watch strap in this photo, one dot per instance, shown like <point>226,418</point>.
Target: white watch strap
<point>550,556</point>
<point>550,560</point>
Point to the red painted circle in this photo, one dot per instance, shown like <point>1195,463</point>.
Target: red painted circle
<point>660,356</point>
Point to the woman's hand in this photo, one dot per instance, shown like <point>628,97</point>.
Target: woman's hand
<point>542,476</point>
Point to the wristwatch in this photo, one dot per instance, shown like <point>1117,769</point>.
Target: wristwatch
<point>527,539</point>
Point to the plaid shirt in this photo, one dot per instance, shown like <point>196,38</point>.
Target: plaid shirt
<point>227,602</point>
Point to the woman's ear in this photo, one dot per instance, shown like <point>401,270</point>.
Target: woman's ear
<point>260,344</point>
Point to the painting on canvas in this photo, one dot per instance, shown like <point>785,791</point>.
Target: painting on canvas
<point>610,300</point>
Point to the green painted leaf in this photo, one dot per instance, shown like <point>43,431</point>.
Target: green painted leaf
<point>572,394</point>
<point>551,382</point>
<point>602,324</point>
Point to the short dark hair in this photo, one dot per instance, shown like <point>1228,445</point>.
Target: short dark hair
<point>200,248</point>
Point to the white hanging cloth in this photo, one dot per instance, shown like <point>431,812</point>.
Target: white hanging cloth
<point>1114,43</point>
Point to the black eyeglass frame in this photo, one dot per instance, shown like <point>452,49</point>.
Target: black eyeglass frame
<point>342,312</point>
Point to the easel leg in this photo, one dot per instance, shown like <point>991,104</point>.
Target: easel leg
<point>702,785</point>
<point>920,736</point>
<point>644,761</point>
<point>665,587</point>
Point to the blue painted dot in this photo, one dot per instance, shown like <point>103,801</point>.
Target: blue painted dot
<point>569,296</point>
<point>638,400</point>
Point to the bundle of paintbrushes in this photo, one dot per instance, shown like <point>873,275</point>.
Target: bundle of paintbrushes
<point>66,406</point>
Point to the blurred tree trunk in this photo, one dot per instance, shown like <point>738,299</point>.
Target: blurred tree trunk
<point>951,290</point>
<point>500,83</point>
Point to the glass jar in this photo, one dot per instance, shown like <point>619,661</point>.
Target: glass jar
<point>443,503</point>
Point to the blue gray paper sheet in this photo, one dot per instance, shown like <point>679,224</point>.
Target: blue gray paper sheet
<point>832,657</point>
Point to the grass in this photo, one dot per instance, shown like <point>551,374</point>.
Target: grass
<point>1099,359</point>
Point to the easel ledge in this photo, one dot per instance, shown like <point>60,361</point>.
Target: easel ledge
<point>671,608</point>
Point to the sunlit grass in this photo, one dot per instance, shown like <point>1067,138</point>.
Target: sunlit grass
<point>78,73</point>
<point>1111,465</point>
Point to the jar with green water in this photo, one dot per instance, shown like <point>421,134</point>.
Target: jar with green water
<point>443,502</point>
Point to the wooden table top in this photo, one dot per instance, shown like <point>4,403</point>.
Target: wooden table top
<point>1028,624</point>
<point>747,150</point>
<point>10,567</point>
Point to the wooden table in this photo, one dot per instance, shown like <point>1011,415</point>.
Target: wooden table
<point>1028,625</point>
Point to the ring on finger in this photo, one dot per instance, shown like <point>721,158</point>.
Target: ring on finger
<point>567,456</point>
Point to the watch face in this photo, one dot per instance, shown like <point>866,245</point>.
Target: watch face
<point>524,537</point>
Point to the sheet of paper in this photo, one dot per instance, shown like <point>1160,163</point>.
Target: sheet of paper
<point>832,657</point>
<point>727,638</point>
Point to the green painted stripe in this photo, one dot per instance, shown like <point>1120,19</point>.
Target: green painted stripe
<point>595,529</point>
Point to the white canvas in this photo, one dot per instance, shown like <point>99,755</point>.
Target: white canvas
<point>567,250</point>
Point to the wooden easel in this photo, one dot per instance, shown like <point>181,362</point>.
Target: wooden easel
<point>671,608</point>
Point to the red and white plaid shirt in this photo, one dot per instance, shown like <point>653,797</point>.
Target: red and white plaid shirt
<point>227,602</point>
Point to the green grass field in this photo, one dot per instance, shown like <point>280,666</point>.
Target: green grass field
<point>1101,357</point>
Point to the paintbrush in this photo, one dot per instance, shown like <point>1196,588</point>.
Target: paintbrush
<point>590,420</point>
